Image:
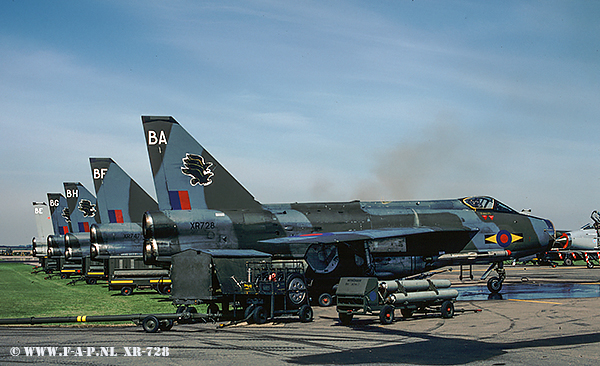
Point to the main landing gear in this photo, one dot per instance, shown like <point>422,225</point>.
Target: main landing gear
<point>494,284</point>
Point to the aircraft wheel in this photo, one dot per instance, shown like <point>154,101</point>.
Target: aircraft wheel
<point>260,315</point>
<point>325,299</point>
<point>63,277</point>
<point>386,315</point>
<point>305,313</point>
<point>126,291</point>
<point>346,318</point>
<point>590,265</point>
<point>568,262</point>
<point>406,313</point>
<point>91,281</point>
<point>447,309</point>
<point>150,324</point>
<point>166,324</point>
<point>494,285</point>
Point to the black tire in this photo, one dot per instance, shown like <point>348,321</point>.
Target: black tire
<point>325,300</point>
<point>386,315</point>
<point>305,314</point>
<point>63,276</point>
<point>447,309</point>
<point>590,265</point>
<point>212,309</point>
<point>259,315</point>
<point>166,324</point>
<point>345,318</point>
<point>91,281</point>
<point>296,290</point>
<point>249,313</point>
<point>494,285</point>
<point>185,314</point>
<point>406,313</point>
<point>126,291</point>
<point>150,324</point>
<point>568,261</point>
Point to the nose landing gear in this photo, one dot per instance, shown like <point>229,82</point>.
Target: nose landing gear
<point>494,284</point>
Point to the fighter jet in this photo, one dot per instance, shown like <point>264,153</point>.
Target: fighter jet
<point>61,222</point>
<point>43,221</point>
<point>116,244</point>
<point>122,203</point>
<point>83,213</point>
<point>579,244</point>
<point>202,206</point>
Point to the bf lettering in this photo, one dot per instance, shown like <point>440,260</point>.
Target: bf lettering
<point>99,173</point>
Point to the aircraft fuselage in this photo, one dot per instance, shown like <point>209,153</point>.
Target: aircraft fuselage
<point>288,230</point>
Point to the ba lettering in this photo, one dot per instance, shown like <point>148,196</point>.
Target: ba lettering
<point>157,139</point>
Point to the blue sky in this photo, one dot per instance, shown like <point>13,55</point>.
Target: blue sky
<point>309,101</point>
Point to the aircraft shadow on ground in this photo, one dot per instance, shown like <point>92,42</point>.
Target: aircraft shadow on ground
<point>435,350</point>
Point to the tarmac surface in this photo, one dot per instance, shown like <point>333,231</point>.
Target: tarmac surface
<point>546,316</point>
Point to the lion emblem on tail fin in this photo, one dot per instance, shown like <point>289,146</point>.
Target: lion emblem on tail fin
<point>199,171</point>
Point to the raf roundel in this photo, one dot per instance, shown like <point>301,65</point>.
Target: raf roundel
<point>504,238</point>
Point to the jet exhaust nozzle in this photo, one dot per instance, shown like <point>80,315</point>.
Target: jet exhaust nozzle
<point>156,225</point>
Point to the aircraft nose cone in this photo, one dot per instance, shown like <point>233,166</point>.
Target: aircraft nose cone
<point>562,241</point>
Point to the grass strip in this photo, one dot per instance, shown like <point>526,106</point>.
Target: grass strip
<point>25,295</point>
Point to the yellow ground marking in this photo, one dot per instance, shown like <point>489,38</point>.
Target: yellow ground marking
<point>536,301</point>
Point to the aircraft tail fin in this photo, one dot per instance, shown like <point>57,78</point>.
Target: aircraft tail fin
<point>43,220</point>
<point>59,212</point>
<point>186,176</point>
<point>120,199</point>
<point>82,207</point>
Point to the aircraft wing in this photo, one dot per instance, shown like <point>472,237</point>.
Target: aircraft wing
<point>328,250</point>
<point>426,241</point>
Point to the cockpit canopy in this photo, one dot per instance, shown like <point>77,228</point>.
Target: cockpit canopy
<point>486,203</point>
